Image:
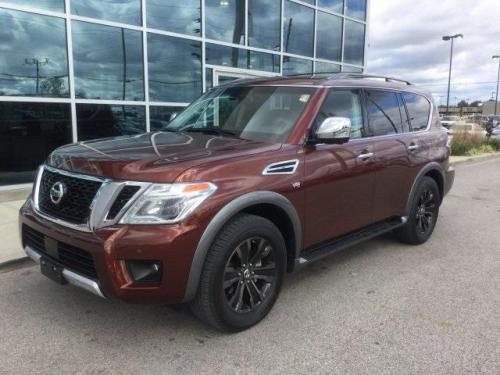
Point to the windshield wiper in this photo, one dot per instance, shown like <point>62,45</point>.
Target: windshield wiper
<point>213,131</point>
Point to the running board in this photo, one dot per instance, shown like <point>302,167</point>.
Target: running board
<point>315,253</point>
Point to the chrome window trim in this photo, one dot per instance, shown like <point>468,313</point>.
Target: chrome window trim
<point>100,205</point>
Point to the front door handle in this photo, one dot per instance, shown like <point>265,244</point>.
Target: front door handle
<point>365,156</point>
<point>413,147</point>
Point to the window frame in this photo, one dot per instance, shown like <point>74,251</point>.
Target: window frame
<point>397,93</point>
<point>315,125</point>
<point>429,116</point>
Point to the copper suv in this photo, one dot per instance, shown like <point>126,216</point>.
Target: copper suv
<point>254,179</point>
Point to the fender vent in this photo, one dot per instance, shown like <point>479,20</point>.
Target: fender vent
<point>283,167</point>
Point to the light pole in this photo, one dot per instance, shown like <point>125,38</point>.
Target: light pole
<point>498,82</point>
<point>38,63</point>
<point>452,38</point>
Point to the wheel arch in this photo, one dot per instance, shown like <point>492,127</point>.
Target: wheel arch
<point>270,205</point>
<point>432,170</point>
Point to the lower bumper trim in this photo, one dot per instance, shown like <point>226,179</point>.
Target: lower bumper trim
<point>72,277</point>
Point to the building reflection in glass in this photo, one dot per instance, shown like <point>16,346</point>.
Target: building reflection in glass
<point>174,15</point>
<point>174,69</point>
<point>108,62</point>
<point>101,121</point>
<point>225,20</point>
<point>29,132</point>
<point>124,11</point>
<point>33,59</point>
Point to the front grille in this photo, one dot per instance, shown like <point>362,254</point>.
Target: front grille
<point>123,198</point>
<point>70,257</point>
<point>74,206</point>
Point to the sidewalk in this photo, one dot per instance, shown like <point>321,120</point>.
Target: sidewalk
<point>10,246</point>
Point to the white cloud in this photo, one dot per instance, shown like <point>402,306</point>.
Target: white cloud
<point>405,42</point>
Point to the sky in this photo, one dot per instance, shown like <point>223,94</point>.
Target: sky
<point>405,41</point>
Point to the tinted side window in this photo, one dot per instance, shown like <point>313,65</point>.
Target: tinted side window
<point>384,115</point>
<point>344,103</point>
<point>419,110</point>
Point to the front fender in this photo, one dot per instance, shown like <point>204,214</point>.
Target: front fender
<point>223,216</point>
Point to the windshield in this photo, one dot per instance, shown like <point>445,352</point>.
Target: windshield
<point>250,112</point>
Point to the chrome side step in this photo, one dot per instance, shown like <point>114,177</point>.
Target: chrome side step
<point>72,277</point>
<point>318,252</point>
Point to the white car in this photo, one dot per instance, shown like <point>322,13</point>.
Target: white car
<point>469,128</point>
<point>448,121</point>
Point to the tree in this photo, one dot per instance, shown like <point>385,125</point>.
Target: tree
<point>476,103</point>
<point>462,103</point>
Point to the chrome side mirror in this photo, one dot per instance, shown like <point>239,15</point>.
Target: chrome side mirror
<point>334,130</point>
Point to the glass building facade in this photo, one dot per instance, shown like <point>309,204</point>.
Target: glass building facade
<point>75,70</point>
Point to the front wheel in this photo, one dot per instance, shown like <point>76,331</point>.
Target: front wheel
<point>242,275</point>
<point>424,212</point>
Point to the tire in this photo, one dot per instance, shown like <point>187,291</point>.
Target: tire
<point>423,215</point>
<point>235,294</point>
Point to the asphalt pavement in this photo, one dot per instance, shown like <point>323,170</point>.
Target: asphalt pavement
<point>378,308</point>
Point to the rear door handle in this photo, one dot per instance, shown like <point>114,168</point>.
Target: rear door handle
<point>365,156</point>
<point>413,147</point>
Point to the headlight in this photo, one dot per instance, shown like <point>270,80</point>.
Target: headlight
<point>167,203</point>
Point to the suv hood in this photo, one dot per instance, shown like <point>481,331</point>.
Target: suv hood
<point>153,157</point>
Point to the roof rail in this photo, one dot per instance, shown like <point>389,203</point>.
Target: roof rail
<point>368,76</point>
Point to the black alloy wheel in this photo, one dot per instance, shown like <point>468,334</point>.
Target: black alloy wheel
<point>249,274</point>
<point>426,211</point>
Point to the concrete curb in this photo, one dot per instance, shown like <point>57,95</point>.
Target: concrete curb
<point>466,159</point>
<point>14,263</point>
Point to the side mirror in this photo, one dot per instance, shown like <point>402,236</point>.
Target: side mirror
<point>334,130</point>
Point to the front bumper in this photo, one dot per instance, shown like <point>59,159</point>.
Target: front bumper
<point>111,247</point>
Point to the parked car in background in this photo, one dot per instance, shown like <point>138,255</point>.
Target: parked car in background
<point>466,128</point>
<point>448,121</point>
<point>254,179</point>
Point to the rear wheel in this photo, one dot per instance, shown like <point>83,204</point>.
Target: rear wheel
<point>424,213</point>
<point>242,275</point>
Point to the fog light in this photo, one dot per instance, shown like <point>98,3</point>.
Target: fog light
<point>145,271</point>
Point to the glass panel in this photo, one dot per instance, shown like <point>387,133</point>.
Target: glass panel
<point>101,121</point>
<point>125,11</point>
<point>29,132</point>
<point>265,114</point>
<point>308,1</point>
<point>298,29</point>
<point>174,69</point>
<point>209,77</point>
<point>173,15</point>
<point>292,65</point>
<point>53,5</point>
<point>351,69</point>
<point>419,110</point>
<point>108,62</point>
<point>159,117</point>
<point>384,115</point>
<point>225,20</point>
<point>323,67</point>
<point>354,42</point>
<point>333,5</point>
<point>33,58</point>
<point>241,58</point>
<point>356,9</point>
<point>329,37</point>
<point>264,24</point>
<point>344,103</point>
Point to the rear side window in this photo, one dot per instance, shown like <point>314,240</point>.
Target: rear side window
<point>344,103</point>
<point>419,110</point>
<point>384,113</point>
